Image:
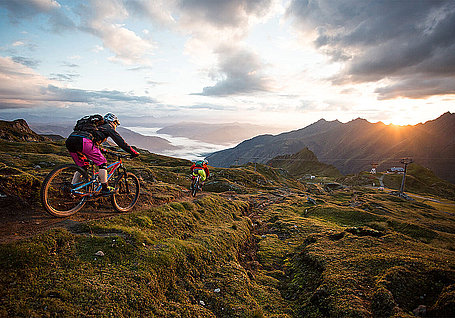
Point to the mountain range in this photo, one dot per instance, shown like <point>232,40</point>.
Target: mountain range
<point>353,146</point>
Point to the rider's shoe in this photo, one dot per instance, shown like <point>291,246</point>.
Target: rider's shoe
<point>107,192</point>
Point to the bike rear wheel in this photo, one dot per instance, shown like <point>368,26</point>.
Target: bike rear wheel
<point>126,192</point>
<point>56,195</point>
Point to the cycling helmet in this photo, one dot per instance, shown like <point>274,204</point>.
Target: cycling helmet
<point>201,163</point>
<point>109,117</point>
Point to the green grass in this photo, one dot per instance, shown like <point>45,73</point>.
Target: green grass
<point>253,245</point>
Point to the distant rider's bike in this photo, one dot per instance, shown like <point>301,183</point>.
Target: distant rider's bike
<point>61,198</point>
<point>195,185</point>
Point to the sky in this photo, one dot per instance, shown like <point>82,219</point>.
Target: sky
<point>278,63</point>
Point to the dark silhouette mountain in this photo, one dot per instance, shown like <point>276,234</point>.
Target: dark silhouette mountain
<point>18,130</point>
<point>353,146</point>
<point>303,163</point>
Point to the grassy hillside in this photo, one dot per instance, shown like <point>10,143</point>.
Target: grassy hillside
<point>255,243</point>
<point>418,180</point>
<point>304,163</point>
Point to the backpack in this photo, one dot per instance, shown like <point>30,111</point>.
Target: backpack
<point>90,124</point>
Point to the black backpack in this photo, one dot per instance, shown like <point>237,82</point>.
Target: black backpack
<point>90,124</point>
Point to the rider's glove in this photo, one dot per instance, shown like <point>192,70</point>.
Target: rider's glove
<point>134,153</point>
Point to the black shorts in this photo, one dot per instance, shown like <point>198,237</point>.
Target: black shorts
<point>74,144</point>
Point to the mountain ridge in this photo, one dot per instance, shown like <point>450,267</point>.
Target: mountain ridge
<point>352,147</point>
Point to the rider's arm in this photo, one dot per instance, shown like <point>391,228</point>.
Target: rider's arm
<point>119,140</point>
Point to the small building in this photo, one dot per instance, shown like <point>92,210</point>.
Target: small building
<point>395,170</point>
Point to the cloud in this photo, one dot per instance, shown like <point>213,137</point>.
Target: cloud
<point>22,87</point>
<point>157,11</point>
<point>67,64</point>
<point>29,62</point>
<point>86,96</point>
<point>394,40</point>
<point>102,18</point>
<point>26,9</point>
<point>223,13</point>
<point>240,72</point>
<point>418,88</point>
<point>61,77</point>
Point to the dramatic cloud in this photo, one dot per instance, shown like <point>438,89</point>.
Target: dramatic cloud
<point>395,40</point>
<point>418,88</point>
<point>23,88</point>
<point>239,73</point>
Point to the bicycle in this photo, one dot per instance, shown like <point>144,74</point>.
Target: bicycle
<point>195,185</point>
<point>60,198</point>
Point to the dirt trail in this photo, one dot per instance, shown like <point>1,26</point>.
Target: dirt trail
<point>19,220</point>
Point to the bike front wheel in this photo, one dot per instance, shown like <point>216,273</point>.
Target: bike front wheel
<point>195,187</point>
<point>57,193</point>
<point>126,192</point>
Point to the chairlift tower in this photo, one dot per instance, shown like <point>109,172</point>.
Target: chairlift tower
<point>404,161</point>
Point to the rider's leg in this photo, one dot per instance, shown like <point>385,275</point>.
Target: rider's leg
<point>74,144</point>
<point>93,153</point>
<point>103,177</point>
<point>201,172</point>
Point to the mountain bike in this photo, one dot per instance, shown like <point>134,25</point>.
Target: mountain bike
<point>195,185</point>
<point>61,198</point>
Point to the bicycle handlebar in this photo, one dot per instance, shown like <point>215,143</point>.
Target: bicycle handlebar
<point>118,155</point>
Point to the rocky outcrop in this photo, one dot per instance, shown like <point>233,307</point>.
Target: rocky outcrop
<point>18,130</point>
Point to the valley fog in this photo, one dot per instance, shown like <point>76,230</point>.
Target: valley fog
<point>186,148</point>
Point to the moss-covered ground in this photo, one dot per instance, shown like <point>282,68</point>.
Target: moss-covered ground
<point>255,243</point>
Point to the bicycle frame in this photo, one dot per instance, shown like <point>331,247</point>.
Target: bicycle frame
<point>93,179</point>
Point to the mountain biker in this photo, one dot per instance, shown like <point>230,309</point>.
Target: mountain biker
<point>84,145</point>
<point>200,168</point>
